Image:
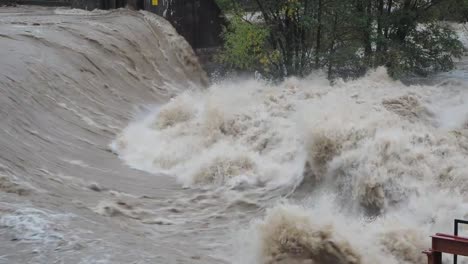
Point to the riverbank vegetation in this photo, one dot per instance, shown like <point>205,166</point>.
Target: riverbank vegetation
<point>344,38</point>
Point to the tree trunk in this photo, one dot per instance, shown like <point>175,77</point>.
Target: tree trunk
<point>380,36</point>
<point>332,48</point>
<point>368,33</point>
<point>319,34</point>
<point>388,16</point>
<point>405,21</point>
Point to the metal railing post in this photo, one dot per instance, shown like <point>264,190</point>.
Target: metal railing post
<point>455,233</point>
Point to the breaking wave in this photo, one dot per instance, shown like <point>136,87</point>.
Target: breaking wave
<point>374,165</point>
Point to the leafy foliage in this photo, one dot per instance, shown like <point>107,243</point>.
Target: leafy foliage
<point>426,50</point>
<point>244,45</point>
<point>344,37</point>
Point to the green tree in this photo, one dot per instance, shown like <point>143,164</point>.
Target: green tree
<point>344,37</point>
<point>244,45</point>
<point>412,39</point>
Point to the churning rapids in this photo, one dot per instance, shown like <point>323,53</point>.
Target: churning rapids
<point>114,149</point>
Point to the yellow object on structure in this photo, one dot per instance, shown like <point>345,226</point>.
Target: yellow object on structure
<point>154,2</point>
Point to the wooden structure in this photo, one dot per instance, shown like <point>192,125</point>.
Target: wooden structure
<point>449,244</point>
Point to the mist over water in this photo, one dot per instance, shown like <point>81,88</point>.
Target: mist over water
<point>115,150</point>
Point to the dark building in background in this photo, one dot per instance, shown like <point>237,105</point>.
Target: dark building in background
<point>199,21</point>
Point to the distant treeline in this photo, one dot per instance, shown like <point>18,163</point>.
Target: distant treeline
<point>343,37</point>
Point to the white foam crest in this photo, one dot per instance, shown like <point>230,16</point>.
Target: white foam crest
<point>232,133</point>
<point>261,132</point>
<point>383,162</point>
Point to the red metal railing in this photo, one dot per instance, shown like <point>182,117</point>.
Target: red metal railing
<point>451,244</point>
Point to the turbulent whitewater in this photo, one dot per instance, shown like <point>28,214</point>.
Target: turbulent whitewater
<point>370,167</point>
<point>115,150</point>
